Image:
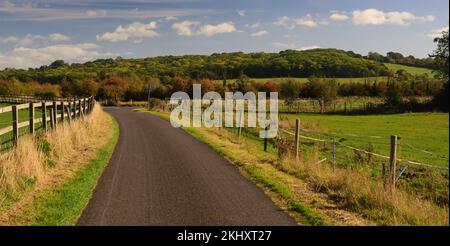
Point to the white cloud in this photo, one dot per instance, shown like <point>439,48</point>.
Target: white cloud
<point>338,16</point>
<point>241,12</point>
<point>259,34</point>
<point>437,32</point>
<point>291,23</point>
<point>30,39</point>
<point>254,25</point>
<point>378,17</point>
<point>294,46</point>
<point>192,28</point>
<point>135,30</point>
<point>23,57</point>
<point>211,30</point>
<point>185,28</point>
<point>170,18</point>
<point>309,47</point>
<point>58,37</point>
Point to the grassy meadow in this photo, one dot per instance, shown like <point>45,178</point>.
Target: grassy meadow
<point>304,80</point>
<point>423,136</point>
<point>411,70</point>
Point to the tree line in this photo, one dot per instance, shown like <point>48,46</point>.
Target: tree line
<point>289,63</point>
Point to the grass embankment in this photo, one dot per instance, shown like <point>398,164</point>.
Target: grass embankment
<point>315,193</point>
<point>411,70</point>
<point>48,179</point>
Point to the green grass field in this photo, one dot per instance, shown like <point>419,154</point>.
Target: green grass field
<point>304,80</point>
<point>411,70</point>
<point>394,67</point>
<point>424,137</point>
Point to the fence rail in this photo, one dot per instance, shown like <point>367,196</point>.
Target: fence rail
<point>52,113</point>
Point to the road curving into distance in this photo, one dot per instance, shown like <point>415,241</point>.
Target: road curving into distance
<point>160,175</point>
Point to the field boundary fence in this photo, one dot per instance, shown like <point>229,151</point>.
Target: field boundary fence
<point>392,173</point>
<point>36,114</point>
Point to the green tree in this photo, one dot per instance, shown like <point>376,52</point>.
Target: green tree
<point>440,55</point>
<point>324,90</point>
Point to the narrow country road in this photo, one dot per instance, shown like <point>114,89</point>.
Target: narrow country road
<point>160,175</point>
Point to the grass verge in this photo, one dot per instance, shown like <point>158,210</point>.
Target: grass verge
<point>48,178</point>
<point>63,204</point>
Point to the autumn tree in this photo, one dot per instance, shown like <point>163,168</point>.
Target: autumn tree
<point>113,88</point>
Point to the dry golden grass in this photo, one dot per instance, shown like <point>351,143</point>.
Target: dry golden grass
<point>357,191</point>
<point>48,157</point>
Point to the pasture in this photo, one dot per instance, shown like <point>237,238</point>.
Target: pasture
<point>304,80</point>
<point>423,136</point>
<point>411,70</point>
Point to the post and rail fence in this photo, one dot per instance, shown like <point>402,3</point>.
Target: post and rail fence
<point>52,113</point>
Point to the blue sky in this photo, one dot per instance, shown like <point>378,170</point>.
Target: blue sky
<point>36,32</point>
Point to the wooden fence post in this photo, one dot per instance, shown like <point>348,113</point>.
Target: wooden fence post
<point>15,121</point>
<point>265,138</point>
<point>31,114</point>
<point>84,106</point>
<point>345,107</point>
<point>393,161</point>
<point>44,116</point>
<point>55,111</point>
<point>80,110</point>
<point>62,111</point>
<point>334,155</point>
<point>69,110</point>
<point>52,119</point>
<point>297,139</point>
<point>74,109</point>
<point>240,126</point>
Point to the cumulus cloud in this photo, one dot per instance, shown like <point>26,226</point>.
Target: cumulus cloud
<point>185,28</point>
<point>192,28</point>
<point>378,17</point>
<point>211,30</point>
<point>437,32</point>
<point>30,39</point>
<point>259,34</point>
<point>135,30</point>
<point>338,16</point>
<point>58,37</point>
<point>23,57</point>
<point>291,23</point>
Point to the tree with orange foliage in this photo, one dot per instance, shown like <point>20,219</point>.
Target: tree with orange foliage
<point>207,85</point>
<point>180,84</point>
<point>271,86</point>
<point>113,87</point>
